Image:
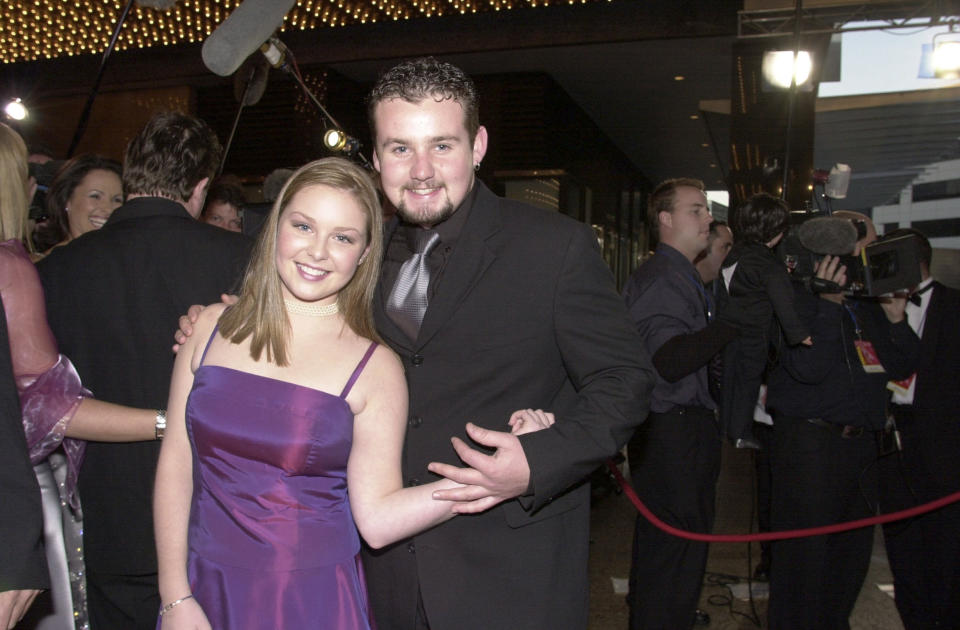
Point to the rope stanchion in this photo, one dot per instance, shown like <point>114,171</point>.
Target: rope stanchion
<point>780,535</point>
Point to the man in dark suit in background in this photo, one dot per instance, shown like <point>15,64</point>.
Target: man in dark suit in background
<point>924,551</point>
<point>113,297</point>
<point>520,312</point>
<point>23,565</point>
<point>709,261</point>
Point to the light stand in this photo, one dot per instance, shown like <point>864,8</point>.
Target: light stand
<point>280,57</point>
<point>85,115</point>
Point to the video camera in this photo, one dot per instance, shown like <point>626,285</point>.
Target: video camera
<point>44,174</point>
<point>882,267</point>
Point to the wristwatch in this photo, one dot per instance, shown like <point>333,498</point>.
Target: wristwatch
<point>161,424</point>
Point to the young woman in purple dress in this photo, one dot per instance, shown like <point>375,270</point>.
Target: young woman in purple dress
<point>285,428</point>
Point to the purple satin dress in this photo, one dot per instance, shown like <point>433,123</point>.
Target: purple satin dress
<point>272,542</point>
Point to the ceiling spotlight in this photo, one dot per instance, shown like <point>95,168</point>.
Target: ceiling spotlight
<point>15,109</point>
<point>946,55</point>
<point>779,67</point>
<point>334,139</point>
<point>679,77</point>
<point>337,141</point>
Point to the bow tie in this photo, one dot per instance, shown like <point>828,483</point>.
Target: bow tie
<point>915,296</point>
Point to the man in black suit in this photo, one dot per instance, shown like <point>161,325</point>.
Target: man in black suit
<point>521,313</point>
<point>23,565</point>
<point>113,296</point>
<point>924,551</point>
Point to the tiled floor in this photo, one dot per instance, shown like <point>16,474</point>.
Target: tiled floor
<point>612,524</point>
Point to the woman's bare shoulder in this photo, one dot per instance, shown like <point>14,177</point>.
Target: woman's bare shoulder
<point>381,386</point>
<point>383,371</point>
<point>384,358</point>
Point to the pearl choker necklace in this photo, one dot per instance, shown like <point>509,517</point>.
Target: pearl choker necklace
<point>312,310</point>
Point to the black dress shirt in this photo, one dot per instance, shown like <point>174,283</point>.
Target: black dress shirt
<point>666,299</point>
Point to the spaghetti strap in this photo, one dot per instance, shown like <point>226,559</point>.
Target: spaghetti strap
<point>207,347</point>
<point>358,369</point>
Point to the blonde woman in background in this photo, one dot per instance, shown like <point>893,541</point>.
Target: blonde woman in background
<point>58,413</point>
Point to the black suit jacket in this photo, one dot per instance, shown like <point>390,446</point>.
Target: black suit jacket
<point>524,315</point>
<point>931,438</point>
<point>938,372</point>
<point>114,297</point>
<point>23,564</point>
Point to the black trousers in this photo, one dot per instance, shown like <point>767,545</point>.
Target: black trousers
<point>130,602</point>
<point>924,551</point>
<point>819,477</point>
<point>744,360</point>
<point>761,461</point>
<point>674,463</point>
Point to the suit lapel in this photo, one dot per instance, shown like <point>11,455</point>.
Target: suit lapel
<point>932,326</point>
<point>470,259</point>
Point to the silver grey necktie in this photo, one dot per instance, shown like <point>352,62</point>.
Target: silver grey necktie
<point>408,299</point>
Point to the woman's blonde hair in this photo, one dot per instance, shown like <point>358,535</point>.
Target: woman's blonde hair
<point>14,205</point>
<point>260,312</point>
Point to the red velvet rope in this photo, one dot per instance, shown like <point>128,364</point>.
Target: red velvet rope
<point>781,535</point>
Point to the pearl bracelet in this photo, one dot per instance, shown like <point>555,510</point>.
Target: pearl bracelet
<point>174,604</point>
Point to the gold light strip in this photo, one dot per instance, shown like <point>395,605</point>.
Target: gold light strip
<point>46,29</point>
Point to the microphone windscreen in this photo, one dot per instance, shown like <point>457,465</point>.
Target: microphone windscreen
<point>237,37</point>
<point>273,183</point>
<point>828,235</point>
<point>250,80</point>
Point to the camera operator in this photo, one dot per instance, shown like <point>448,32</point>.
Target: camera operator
<point>828,403</point>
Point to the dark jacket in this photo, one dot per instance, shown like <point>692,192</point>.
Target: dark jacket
<point>827,380</point>
<point>114,297</point>
<point>761,287</point>
<point>525,315</point>
<point>23,564</point>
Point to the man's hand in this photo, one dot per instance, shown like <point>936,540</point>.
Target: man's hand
<point>187,321</point>
<point>490,479</point>
<point>530,420</point>
<point>894,306</point>
<point>14,605</point>
<point>829,268</point>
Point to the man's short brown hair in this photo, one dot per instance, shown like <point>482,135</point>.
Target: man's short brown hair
<point>662,198</point>
<point>426,77</point>
<point>170,155</point>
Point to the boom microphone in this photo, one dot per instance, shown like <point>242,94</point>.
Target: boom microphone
<point>829,235</point>
<point>242,33</point>
<point>250,81</point>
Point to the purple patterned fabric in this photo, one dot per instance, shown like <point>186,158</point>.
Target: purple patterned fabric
<point>48,403</point>
<point>49,387</point>
<point>272,542</point>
